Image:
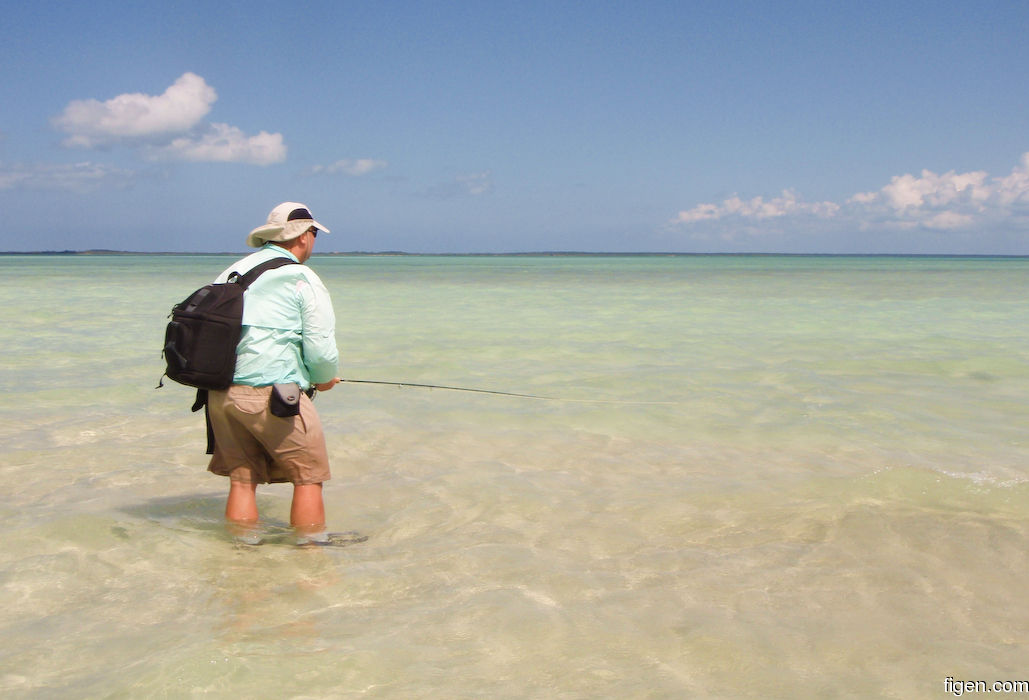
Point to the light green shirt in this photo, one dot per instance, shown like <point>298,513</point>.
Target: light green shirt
<point>289,328</point>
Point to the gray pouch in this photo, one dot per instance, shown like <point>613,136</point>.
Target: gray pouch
<point>285,400</point>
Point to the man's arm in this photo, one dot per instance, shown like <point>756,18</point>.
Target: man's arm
<point>321,357</point>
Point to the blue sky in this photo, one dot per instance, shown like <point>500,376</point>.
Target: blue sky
<point>799,127</point>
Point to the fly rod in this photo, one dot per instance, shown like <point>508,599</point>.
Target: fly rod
<point>507,393</point>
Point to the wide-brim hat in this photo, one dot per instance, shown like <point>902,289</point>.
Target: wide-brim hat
<point>286,222</point>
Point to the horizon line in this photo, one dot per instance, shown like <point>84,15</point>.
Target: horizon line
<point>538,253</point>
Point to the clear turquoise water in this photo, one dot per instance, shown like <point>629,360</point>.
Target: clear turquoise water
<point>769,477</point>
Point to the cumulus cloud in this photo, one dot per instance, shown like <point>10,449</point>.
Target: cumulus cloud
<point>758,208</point>
<point>72,177</point>
<point>469,185</point>
<point>946,201</point>
<point>1014,189</point>
<point>930,201</point>
<point>91,123</point>
<point>224,144</point>
<point>167,126</point>
<point>350,166</point>
<point>476,183</point>
<point>906,192</point>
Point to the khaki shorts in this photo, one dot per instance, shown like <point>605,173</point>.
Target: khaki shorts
<point>253,446</point>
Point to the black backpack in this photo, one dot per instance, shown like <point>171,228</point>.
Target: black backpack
<point>200,340</point>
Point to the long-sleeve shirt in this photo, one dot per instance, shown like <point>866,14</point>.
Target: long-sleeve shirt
<point>289,328</point>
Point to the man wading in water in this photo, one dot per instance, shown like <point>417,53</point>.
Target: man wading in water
<point>289,338</point>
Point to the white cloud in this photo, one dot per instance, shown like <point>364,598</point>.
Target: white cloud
<point>73,177</point>
<point>470,185</point>
<point>948,220</point>
<point>945,201</point>
<point>476,183</point>
<point>1014,189</point>
<point>169,126</point>
<point>758,208</point>
<point>932,201</point>
<point>224,144</point>
<point>91,123</point>
<point>930,191</point>
<point>350,166</point>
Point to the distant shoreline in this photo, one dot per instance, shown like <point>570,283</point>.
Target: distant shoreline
<point>527,254</point>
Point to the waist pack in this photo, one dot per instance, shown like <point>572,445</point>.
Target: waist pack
<point>201,338</point>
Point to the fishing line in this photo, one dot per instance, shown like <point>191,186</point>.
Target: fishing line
<point>509,393</point>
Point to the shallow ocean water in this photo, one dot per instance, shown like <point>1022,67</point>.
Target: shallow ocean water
<point>754,476</point>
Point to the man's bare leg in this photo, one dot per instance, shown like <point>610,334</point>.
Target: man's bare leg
<point>307,514</point>
<point>241,511</point>
<point>241,507</point>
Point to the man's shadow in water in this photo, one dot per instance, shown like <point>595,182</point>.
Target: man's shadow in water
<point>198,513</point>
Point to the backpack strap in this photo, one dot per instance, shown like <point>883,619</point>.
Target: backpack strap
<point>247,279</point>
<point>201,402</point>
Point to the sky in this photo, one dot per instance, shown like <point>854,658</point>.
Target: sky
<point>488,127</point>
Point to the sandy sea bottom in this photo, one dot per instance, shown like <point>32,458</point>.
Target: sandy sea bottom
<point>760,477</point>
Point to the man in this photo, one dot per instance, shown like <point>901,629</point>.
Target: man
<point>289,335</point>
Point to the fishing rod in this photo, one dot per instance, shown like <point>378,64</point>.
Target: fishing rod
<point>507,393</point>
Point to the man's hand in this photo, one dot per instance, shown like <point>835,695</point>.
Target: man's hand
<point>325,386</point>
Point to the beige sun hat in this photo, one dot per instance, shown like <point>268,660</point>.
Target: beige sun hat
<point>286,222</point>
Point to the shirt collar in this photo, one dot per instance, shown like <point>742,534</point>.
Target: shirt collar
<point>281,250</point>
